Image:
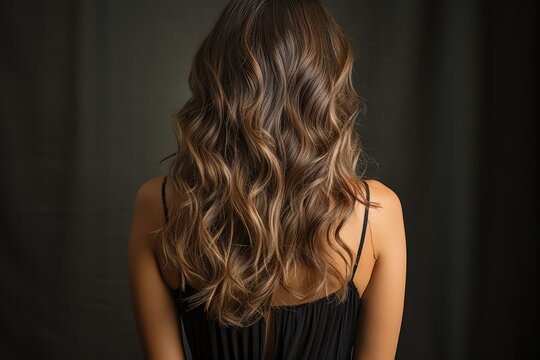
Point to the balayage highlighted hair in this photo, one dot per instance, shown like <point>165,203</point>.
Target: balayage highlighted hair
<point>265,172</point>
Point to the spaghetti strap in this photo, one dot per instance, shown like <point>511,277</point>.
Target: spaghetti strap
<point>364,226</point>
<point>164,198</point>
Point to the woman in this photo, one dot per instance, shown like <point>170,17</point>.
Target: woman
<point>253,240</point>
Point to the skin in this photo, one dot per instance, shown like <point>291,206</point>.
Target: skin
<point>380,277</point>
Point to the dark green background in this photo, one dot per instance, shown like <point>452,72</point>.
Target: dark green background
<point>87,91</point>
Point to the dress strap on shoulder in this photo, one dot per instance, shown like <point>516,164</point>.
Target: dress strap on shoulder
<point>364,226</point>
<point>164,199</point>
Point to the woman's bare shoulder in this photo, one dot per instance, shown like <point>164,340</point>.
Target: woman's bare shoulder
<point>380,192</point>
<point>150,189</point>
<point>148,200</point>
<point>386,221</point>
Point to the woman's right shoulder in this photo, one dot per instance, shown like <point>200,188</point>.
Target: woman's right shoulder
<point>386,220</point>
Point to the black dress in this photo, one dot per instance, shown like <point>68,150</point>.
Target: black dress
<point>321,329</point>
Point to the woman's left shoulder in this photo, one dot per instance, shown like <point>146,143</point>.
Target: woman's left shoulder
<point>148,200</point>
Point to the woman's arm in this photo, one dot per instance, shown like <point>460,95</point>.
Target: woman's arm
<point>379,321</point>
<point>153,306</point>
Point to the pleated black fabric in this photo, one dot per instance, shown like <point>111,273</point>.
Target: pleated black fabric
<point>321,329</point>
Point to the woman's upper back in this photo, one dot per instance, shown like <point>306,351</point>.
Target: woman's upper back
<point>320,329</point>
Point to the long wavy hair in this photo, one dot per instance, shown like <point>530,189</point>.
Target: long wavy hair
<point>265,171</point>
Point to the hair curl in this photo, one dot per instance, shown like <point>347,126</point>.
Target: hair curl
<point>264,175</point>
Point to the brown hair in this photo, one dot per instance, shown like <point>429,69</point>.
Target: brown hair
<point>264,175</point>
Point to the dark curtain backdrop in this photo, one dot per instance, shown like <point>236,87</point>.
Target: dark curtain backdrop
<point>87,90</point>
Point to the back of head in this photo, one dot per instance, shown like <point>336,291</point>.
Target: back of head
<point>264,175</point>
